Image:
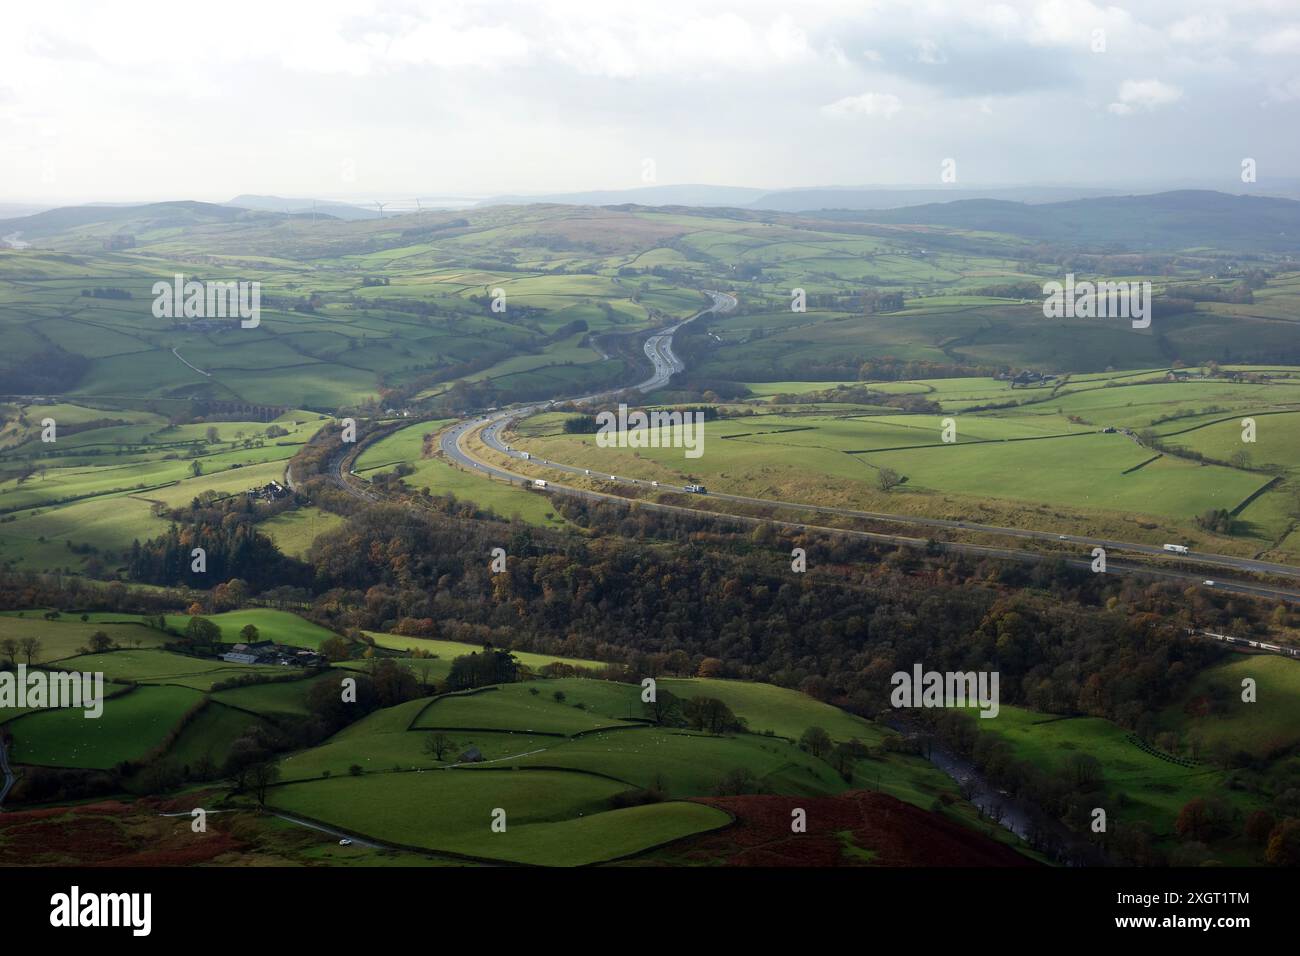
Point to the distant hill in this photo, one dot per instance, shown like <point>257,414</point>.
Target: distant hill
<point>800,200</point>
<point>162,215</point>
<point>869,197</point>
<point>681,195</point>
<point>1163,221</point>
<point>13,210</point>
<point>322,207</point>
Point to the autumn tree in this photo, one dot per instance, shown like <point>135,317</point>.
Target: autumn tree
<point>1284,844</point>
<point>816,741</point>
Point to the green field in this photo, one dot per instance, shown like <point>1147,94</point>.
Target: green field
<point>66,636</point>
<point>283,697</point>
<point>164,667</point>
<point>281,627</point>
<point>786,713</point>
<point>1263,728</point>
<point>1083,473</point>
<point>512,707</point>
<point>1137,785</point>
<point>447,651</point>
<point>131,725</point>
<point>552,818</point>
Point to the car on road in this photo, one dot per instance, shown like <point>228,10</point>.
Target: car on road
<point>345,842</point>
<point>1062,537</point>
<point>1209,584</point>
<point>586,471</point>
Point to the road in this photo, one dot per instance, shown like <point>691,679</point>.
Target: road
<point>658,348</point>
<point>187,362</point>
<point>340,834</point>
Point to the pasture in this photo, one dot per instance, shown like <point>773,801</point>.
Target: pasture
<point>132,724</point>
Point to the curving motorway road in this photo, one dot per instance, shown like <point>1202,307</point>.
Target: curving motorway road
<point>658,349</point>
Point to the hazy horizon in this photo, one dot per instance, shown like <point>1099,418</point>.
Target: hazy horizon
<point>389,99</point>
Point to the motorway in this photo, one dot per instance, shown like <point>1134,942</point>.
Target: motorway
<point>658,348</point>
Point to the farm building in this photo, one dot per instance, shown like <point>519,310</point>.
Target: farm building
<point>271,491</point>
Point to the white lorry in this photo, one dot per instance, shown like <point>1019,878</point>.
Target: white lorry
<point>1176,548</point>
<point>539,483</point>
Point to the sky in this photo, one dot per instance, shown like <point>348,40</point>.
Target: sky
<point>372,99</point>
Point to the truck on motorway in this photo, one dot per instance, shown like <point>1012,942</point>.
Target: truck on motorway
<point>525,455</point>
<point>696,489</point>
<point>539,483</point>
<point>1176,548</point>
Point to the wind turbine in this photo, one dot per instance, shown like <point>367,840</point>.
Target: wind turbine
<point>418,209</point>
<point>380,206</point>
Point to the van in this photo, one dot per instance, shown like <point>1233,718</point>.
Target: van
<point>539,483</point>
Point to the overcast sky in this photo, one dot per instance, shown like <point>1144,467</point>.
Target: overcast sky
<point>369,98</point>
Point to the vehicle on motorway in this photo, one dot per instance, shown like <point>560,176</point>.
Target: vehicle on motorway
<point>539,483</point>
<point>696,489</point>
<point>654,484</point>
<point>525,455</point>
<point>586,471</point>
<point>1209,584</point>
<point>345,842</point>
<point>1176,548</point>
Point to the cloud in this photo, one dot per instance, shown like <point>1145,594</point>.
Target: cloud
<point>1143,95</point>
<point>1284,41</point>
<point>1199,28</point>
<point>867,104</point>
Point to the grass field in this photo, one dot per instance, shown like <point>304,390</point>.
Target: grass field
<point>207,738</point>
<point>131,725</point>
<point>282,627</point>
<point>1153,790</point>
<point>786,713</point>
<point>513,707</point>
<point>447,651</point>
<point>1214,713</point>
<point>66,636</point>
<point>552,818</point>
<point>164,667</point>
<point>283,697</point>
<point>1082,448</point>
